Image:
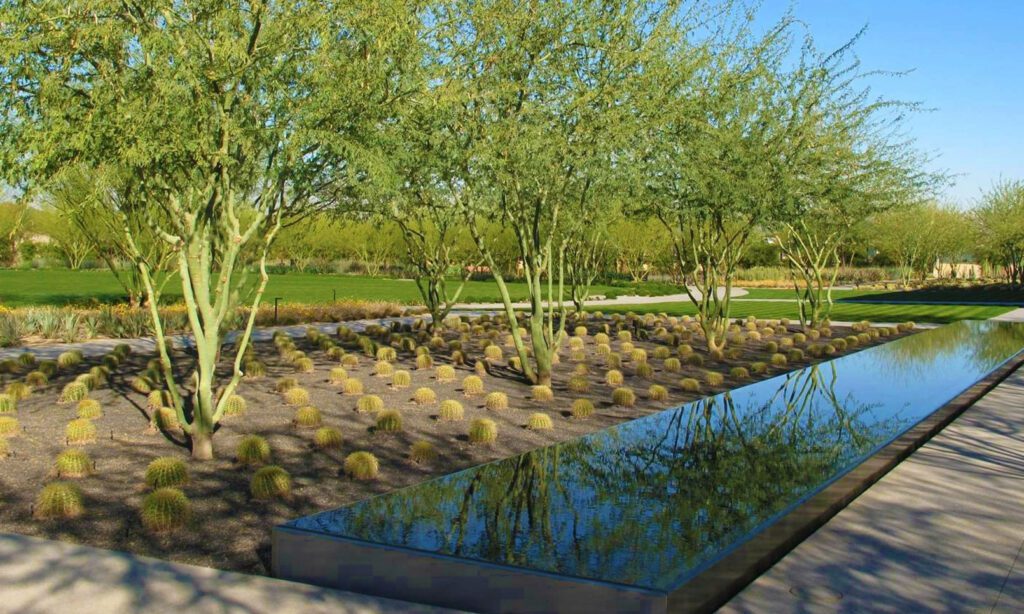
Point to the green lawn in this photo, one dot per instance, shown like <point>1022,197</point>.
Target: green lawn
<point>20,288</point>
<point>841,312</point>
<point>787,293</point>
<point>938,294</point>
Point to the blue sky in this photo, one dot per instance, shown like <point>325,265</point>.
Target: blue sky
<point>967,58</point>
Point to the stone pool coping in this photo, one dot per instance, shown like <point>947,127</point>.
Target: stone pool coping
<point>722,580</point>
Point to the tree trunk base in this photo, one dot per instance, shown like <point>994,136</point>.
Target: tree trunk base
<point>202,446</point>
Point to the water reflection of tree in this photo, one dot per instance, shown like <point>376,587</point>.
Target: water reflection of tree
<point>979,345</point>
<point>640,503</point>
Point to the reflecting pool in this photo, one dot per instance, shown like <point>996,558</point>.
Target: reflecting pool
<point>651,502</point>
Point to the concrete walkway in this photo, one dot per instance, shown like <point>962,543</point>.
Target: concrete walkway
<point>40,576</point>
<point>619,300</point>
<point>942,532</point>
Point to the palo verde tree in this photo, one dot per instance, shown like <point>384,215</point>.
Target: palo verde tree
<point>850,164</point>
<point>535,91</point>
<point>220,119</point>
<point>717,158</point>
<point>416,195</point>
<point>1000,223</point>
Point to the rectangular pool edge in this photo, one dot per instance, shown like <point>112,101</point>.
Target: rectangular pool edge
<point>713,587</point>
<point>441,580</point>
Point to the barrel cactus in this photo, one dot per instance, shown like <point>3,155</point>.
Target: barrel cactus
<point>59,500</point>
<point>271,482</point>
<point>451,410</point>
<point>307,417</point>
<point>421,452</point>
<point>165,509</point>
<point>496,401</point>
<point>73,463</point>
<point>74,392</point>
<point>483,431</point>
<point>361,466</point>
<point>80,431</point>
<point>166,471</point>
<point>327,438</point>
<point>623,397</point>
<point>369,403</point>
<point>389,421</point>
<point>253,450</point>
<point>539,422</point>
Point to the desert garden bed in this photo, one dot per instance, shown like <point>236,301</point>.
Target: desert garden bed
<point>421,404</point>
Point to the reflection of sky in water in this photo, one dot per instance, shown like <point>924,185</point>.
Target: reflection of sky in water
<point>652,501</point>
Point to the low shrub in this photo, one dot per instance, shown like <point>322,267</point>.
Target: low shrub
<point>483,431</point>
<point>253,450</point>
<point>271,482</point>
<point>539,422</point>
<point>165,509</point>
<point>623,397</point>
<point>166,471</point>
<point>59,500</point>
<point>361,466</point>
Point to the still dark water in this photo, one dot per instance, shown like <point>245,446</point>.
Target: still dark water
<point>651,502</point>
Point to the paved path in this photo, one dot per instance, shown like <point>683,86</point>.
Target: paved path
<point>1016,315</point>
<point>942,532</point>
<point>619,300</point>
<point>39,576</point>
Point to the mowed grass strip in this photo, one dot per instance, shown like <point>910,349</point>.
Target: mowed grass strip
<point>26,288</point>
<point>841,312</point>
